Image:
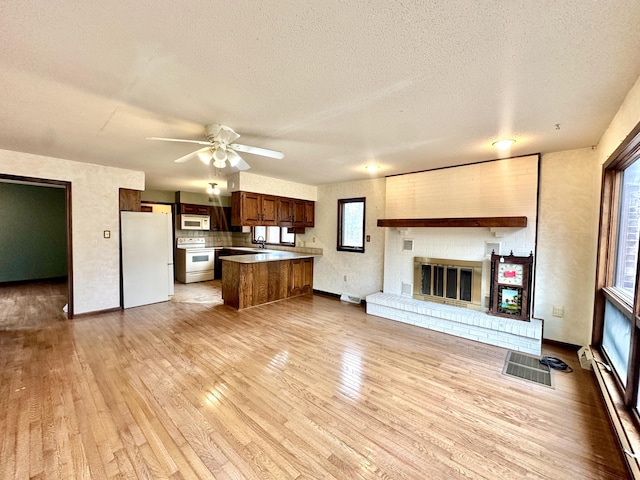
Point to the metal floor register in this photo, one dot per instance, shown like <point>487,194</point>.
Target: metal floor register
<point>527,368</point>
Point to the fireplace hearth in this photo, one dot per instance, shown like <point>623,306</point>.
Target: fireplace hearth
<point>451,282</point>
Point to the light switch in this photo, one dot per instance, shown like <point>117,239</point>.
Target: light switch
<point>106,234</point>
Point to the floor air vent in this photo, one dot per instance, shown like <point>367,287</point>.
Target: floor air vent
<point>527,368</point>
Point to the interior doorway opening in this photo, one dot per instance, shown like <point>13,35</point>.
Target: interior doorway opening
<point>38,244</point>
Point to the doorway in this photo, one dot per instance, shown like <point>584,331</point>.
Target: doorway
<point>36,274</point>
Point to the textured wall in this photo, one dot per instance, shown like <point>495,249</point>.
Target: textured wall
<point>567,243</point>
<point>363,270</point>
<point>95,207</point>
<point>625,120</point>
<point>249,182</point>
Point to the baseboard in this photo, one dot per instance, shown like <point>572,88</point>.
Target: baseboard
<point>96,312</point>
<point>557,343</point>
<point>9,283</point>
<point>326,294</point>
<point>335,295</point>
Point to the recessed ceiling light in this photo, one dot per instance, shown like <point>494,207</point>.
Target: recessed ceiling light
<point>372,168</point>
<point>504,144</point>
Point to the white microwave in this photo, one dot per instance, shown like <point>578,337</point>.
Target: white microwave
<point>194,222</point>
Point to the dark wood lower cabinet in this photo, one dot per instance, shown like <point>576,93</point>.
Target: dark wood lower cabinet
<point>249,284</point>
<point>301,276</point>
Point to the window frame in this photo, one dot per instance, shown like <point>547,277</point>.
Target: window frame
<point>279,242</point>
<point>341,204</point>
<point>612,182</point>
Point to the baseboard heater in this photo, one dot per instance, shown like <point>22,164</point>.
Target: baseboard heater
<point>346,297</point>
<point>607,392</point>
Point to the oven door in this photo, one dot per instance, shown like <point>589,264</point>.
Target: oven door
<point>198,265</point>
<point>200,260</point>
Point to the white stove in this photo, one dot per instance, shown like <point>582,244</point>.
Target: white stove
<point>194,261</point>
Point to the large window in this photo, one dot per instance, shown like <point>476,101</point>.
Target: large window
<point>628,228</point>
<point>351,220</point>
<point>616,332</point>
<point>273,235</point>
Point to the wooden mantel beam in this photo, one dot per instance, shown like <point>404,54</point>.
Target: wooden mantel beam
<point>515,222</point>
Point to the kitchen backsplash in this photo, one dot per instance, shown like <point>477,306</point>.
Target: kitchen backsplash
<point>238,239</point>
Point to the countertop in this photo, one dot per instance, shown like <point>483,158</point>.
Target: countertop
<point>265,256</point>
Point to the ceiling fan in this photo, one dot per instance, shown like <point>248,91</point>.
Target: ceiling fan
<point>220,149</point>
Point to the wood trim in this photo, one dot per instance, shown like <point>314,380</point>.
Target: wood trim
<point>604,261</point>
<point>70,309</point>
<point>467,164</point>
<point>517,222</point>
<point>627,151</point>
<point>341,202</point>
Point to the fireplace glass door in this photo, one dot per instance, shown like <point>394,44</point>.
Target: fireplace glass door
<point>448,281</point>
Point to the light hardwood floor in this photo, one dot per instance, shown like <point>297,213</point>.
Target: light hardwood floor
<point>306,388</point>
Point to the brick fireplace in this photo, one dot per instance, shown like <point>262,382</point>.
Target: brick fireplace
<point>460,213</point>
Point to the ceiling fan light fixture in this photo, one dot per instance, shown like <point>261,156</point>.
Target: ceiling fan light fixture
<point>205,157</point>
<point>219,155</point>
<point>219,164</point>
<point>504,144</point>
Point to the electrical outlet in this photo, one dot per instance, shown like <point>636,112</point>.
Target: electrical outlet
<point>345,278</point>
<point>558,311</point>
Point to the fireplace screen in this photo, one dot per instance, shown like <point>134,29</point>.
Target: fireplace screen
<point>454,282</point>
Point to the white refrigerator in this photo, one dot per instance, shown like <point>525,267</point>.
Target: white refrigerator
<point>146,241</point>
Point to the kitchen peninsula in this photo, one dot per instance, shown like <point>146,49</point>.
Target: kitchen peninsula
<point>265,277</point>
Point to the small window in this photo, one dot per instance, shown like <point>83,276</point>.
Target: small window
<point>351,224</point>
<point>273,236</point>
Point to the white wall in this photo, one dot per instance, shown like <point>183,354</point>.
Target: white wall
<point>250,182</point>
<point>623,123</point>
<point>364,271</point>
<point>95,194</point>
<point>567,243</point>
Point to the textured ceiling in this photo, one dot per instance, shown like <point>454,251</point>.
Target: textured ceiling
<point>335,85</point>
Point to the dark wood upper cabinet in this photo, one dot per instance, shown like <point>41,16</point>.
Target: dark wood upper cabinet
<point>285,212</point>
<point>255,209</point>
<point>309,213</point>
<point>299,213</point>
<point>269,210</point>
<point>130,200</point>
<point>191,209</point>
<point>252,209</point>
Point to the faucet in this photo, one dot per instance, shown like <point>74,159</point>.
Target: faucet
<point>260,240</point>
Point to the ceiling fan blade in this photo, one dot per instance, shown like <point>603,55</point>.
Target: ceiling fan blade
<point>199,142</point>
<point>233,157</point>
<point>192,155</point>
<point>242,165</point>
<point>257,151</point>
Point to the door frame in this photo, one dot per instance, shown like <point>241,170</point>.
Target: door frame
<point>67,187</point>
